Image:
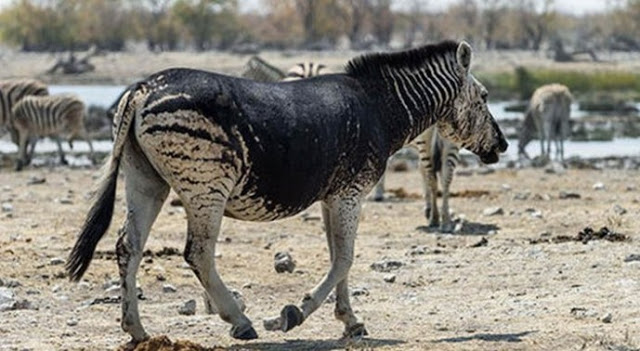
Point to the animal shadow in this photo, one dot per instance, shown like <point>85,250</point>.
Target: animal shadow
<point>509,337</point>
<point>467,228</point>
<point>316,345</point>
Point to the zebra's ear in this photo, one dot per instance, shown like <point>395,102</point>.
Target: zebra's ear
<point>463,55</point>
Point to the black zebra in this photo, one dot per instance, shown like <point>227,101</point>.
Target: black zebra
<point>263,151</point>
<point>51,115</point>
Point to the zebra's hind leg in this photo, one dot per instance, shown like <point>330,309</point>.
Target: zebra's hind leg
<point>343,214</point>
<point>445,179</point>
<point>32,149</point>
<point>23,140</point>
<point>343,311</point>
<point>63,159</point>
<point>145,194</point>
<point>204,213</point>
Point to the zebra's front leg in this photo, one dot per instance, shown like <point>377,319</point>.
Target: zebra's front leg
<point>343,216</point>
<point>447,175</point>
<point>204,220</point>
<point>378,193</point>
<point>23,140</point>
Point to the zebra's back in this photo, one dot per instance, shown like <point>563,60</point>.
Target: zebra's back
<point>48,115</point>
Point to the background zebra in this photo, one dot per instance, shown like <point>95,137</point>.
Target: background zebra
<point>305,69</point>
<point>259,70</point>
<point>53,116</point>
<point>549,113</point>
<point>12,90</point>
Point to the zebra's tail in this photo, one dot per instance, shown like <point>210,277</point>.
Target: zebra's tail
<point>99,217</point>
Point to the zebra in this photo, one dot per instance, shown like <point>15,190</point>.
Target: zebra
<point>264,151</point>
<point>259,70</point>
<point>305,69</point>
<point>12,90</point>
<point>549,113</point>
<point>50,115</point>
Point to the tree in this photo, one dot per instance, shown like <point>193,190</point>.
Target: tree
<point>207,21</point>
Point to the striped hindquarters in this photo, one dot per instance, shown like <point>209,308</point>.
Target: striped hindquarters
<point>306,69</point>
<point>49,115</point>
<point>13,90</point>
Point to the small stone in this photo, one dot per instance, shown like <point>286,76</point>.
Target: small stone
<point>563,195</point>
<point>176,202</point>
<point>284,262</point>
<point>389,278</point>
<point>482,242</point>
<point>360,292</point>
<point>72,322</point>
<point>506,187</point>
<point>56,261</point>
<point>606,318</point>
<point>493,211</point>
<point>386,266</point>
<point>168,288</point>
<point>36,180</point>
<point>113,288</point>
<point>598,186</point>
<point>188,308</point>
<point>521,196</point>
<point>65,201</point>
<point>7,299</point>
<point>536,214</point>
<point>417,251</point>
<point>619,210</point>
<point>632,258</point>
<point>7,207</point>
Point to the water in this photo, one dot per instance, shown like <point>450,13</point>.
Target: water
<point>98,95</point>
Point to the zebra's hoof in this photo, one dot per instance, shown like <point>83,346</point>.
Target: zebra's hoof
<point>291,317</point>
<point>243,333</point>
<point>355,331</point>
<point>378,198</point>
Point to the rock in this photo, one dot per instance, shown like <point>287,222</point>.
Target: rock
<point>10,283</point>
<point>598,186</point>
<point>359,292</point>
<point>555,168</point>
<point>386,266</point>
<point>632,258</point>
<point>284,262</point>
<point>536,214</point>
<point>7,299</point>
<point>36,180</point>
<point>389,278</point>
<point>522,196</point>
<point>506,187</point>
<point>493,211</point>
<point>563,195</point>
<point>168,288</point>
<point>7,207</point>
<point>176,202</point>
<point>606,318</point>
<point>417,251</point>
<point>482,242</point>
<point>619,210</point>
<point>72,322</point>
<point>56,261</point>
<point>188,308</point>
<point>65,201</point>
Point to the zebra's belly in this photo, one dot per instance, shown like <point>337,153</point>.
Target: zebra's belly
<point>261,209</point>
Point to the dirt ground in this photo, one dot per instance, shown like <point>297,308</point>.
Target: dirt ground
<point>525,288</point>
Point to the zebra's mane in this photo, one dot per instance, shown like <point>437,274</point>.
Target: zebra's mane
<point>370,63</point>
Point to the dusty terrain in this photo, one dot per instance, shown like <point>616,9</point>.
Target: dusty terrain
<point>510,294</point>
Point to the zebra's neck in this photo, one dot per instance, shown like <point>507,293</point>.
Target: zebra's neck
<point>414,98</point>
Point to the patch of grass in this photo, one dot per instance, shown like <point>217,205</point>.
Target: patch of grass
<point>521,82</point>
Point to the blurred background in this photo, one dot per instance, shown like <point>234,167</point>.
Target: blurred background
<point>95,48</point>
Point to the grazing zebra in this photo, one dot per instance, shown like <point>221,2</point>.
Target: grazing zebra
<point>52,115</point>
<point>264,151</point>
<point>549,113</point>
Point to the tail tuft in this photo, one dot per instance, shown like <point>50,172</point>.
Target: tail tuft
<point>95,226</point>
